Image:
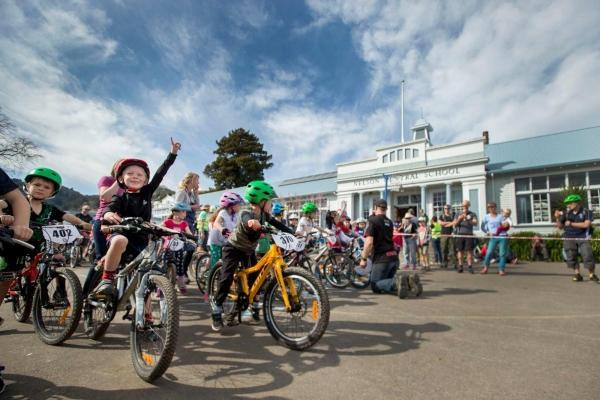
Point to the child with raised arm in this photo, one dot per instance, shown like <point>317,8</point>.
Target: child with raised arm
<point>133,175</point>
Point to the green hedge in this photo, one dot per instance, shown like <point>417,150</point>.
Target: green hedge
<point>521,248</point>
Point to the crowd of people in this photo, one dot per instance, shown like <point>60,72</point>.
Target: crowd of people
<point>232,233</point>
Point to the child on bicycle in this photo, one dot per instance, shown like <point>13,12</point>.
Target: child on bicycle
<point>242,243</point>
<point>19,224</point>
<point>227,215</point>
<point>133,175</point>
<point>176,221</point>
<point>307,223</point>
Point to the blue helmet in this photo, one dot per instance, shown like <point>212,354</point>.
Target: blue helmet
<point>277,209</point>
<point>180,206</point>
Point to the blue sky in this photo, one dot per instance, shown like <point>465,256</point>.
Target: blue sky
<point>317,81</point>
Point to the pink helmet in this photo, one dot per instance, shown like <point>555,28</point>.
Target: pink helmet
<point>229,199</point>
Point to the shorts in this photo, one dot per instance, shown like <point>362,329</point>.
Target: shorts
<point>464,244</point>
<point>135,245</point>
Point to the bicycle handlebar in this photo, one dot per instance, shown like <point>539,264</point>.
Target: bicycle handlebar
<point>6,235</point>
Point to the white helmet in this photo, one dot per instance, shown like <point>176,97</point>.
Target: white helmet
<point>293,216</point>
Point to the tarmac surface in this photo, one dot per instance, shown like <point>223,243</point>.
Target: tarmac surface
<point>532,334</point>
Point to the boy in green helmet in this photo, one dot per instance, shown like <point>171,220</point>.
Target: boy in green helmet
<point>42,184</point>
<point>577,224</point>
<point>242,243</point>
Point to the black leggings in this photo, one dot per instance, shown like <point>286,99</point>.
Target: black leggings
<point>232,258</point>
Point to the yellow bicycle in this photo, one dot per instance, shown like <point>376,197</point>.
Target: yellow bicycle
<point>295,303</point>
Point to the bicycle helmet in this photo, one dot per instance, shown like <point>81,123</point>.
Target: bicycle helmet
<point>45,173</point>
<point>259,190</point>
<point>127,162</point>
<point>309,207</point>
<point>572,198</point>
<point>180,206</point>
<point>277,209</point>
<point>293,216</point>
<point>230,199</point>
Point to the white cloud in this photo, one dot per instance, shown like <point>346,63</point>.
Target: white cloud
<point>514,68</point>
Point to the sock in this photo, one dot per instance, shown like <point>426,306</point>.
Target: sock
<point>108,275</point>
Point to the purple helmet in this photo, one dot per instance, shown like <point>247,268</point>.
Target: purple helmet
<point>229,199</point>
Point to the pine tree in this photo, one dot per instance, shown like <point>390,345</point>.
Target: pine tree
<point>240,159</point>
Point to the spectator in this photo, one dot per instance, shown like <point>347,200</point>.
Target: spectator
<point>538,249</point>
<point>84,214</point>
<point>202,226</point>
<point>447,242</point>
<point>187,193</point>
<point>436,231</point>
<point>107,188</point>
<point>293,221</point>
<point>409,233</point>
<point>423,238</point>
<point>463,225</point>
<point>422,214</point>
<point>496,226</point>
<point>577,224</point>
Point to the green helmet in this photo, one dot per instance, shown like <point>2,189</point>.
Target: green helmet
<point>309,207</point>
<point>46,173</point>
<point>259,190</point>
<point>572,198</point>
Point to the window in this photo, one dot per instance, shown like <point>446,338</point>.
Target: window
<point>402,200</point>
<point>524,209</point>
<point>556,181</point>
<point>406,154</point>
<point>522,185</point>
<point>539,183</point>
<point>595,202</point>
<point>538,197</point>
<point>385,158</point>
<point>400,154</point>
<point>392,156</point>
<point>456,200</point>
<point>415,153</point>
<point>577,179</point>
<point>541,207</point>
<point>415,199</point>
<point>439,201</point>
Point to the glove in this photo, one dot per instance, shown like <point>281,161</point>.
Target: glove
<point>226,232</point>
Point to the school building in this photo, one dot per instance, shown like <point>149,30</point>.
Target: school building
<point>525,175</point>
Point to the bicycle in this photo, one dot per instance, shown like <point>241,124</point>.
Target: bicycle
<point>333,265</point>
<point>201,268</point>
<point>293,298</point>
<point>144,289</point>
<point>56,301</point>
<point>79,250</point>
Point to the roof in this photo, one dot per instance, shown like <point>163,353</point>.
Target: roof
<point>544,151</point>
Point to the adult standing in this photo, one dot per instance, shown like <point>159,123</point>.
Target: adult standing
<point>490,224</point>
<point>577,224</point>
<point>84,215</point>
<point>187,193</point>
<point>463,227</point>
<point>447,223</point>
<point>380,246</point>
<point>107,188</point>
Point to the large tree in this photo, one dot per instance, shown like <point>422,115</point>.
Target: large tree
<point>240,159</point>
<point>14,149</point>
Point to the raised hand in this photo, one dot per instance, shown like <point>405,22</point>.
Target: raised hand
<point>175,146</point>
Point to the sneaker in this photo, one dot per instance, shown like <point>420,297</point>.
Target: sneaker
<point>502,273</point>
<point>577,278</point>
<point>414,281</point>
<point>594,277</point>
<point>106,288</point>
<point>181,284</point>
<point>484,271</point>
<point>470,269</point>
<point>1,321</point>
<point>402,285</point>
<point>459,269</point>
<point>217,322</point>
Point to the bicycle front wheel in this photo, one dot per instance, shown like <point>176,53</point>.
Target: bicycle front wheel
<point>75,256</point>
<point>153,345</point>
<point>303,325</point>
<point>57,306</point>
<point>202,268</point>
<point>337,270</point>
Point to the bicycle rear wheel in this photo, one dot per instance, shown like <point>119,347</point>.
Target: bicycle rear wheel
<point>75,258</point>
<point>153,345</point>
<point>230,303</point>
<point>307,321</point>
<point>57,306</point>
<point>202,267</point>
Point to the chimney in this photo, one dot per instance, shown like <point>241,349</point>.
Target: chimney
<point>486,137</point>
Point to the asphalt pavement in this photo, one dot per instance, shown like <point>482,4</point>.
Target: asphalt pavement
<point>532,334</point>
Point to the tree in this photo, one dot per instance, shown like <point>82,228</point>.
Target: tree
<point>240,159</point>
<point>14,149</point>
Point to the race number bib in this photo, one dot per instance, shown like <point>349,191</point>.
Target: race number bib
<point>288,242</point>
<point>176,244</point>
<point>60,234</point>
